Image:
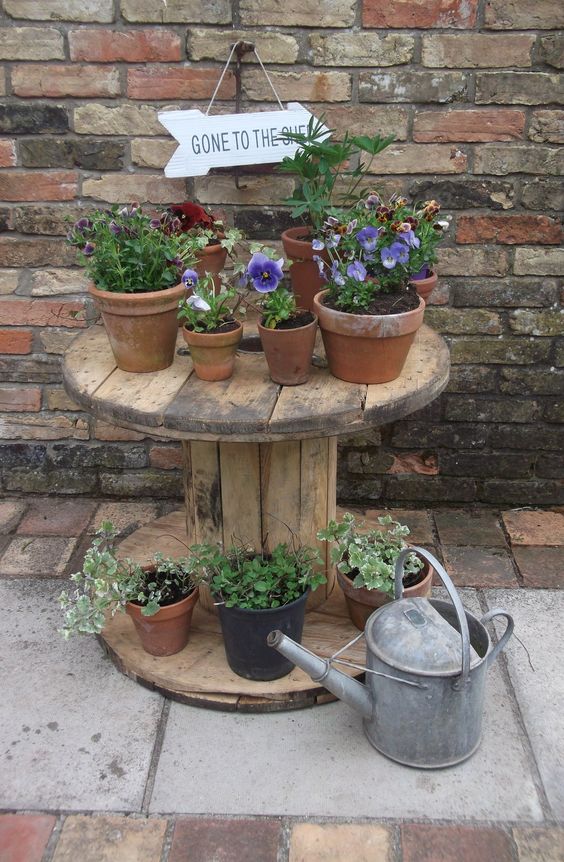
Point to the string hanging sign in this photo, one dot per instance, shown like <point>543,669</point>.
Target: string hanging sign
<point>230,140</point>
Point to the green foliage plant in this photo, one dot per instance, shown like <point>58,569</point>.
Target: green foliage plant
<point>204,310</point>
<point>329,173</point>
<point>125,251</point>
<point>107,583</point>
<point>241,578</point>
<point>369,556</point>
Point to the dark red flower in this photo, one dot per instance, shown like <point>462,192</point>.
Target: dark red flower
<point>192,215</point>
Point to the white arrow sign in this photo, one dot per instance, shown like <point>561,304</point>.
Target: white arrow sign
<point>227,140</point>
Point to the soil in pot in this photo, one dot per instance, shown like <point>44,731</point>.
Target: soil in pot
<point>304,272</point>
<point>361,603</point>
<point>289,347</point>
<point>141,327</point>
<point>166,632</point>
<point>245,633</point>
<point>373,347</point>
<point>213,353</point>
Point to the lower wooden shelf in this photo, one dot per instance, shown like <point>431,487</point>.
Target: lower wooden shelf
<point>200,675</point>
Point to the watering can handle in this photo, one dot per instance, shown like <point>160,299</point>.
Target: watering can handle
<point>498,612</point>
<point>454,597</point>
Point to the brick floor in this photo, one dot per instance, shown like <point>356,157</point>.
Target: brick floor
<point>418,521</point>
<point>110,839</point>
<point>124,516</point>
<point>31,556</point>
<point>57,517</point>
<point>10,513</point>
<point>361,842</point>
<point>541,567</point>
<point>23,837</point>
<point>535,844</point>
<point>204,839</point>
<point>422,843</point>
<point>534,527</point>
<point>479,567</point>
<point>470,528</point>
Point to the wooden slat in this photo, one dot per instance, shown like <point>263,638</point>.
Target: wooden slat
<point>240,493</point>
<point>206,490</point>
<point>242,404</point>
<point>129,397</point>
<point>424,376</point>
<point>280,491</point>
<point>309,406</point>
<point>88,362</point>
<point>314,485</point>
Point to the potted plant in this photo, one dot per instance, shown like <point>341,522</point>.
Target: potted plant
<point>329,175</point>
<point>204,235</point>
<point>287,333</point>
<point>365,560</point>
<point>429,231</point>
<point>370,312</point>
<point>210,329</point>
<point>135,269</point>
<point>257,593</point>
<point>159,597</point>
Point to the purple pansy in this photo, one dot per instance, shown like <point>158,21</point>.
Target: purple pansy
<point>115,228</point>
<point>367,238</point>
<point>317,245</point>
<point>333,240</point>
<point>336,275</point>
<point>389,257</point>
<point>356,270</point>
<point>189,279</point>
<point>83,224</point>
<point>320,265</point>
<point>88,249</point>
<point>265,273</point>
<point>155,224</point>
<point>400,252</point>
<point>198,303</point>
<point>410,239</point>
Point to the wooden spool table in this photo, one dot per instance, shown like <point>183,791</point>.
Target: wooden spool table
<point>258,458</point>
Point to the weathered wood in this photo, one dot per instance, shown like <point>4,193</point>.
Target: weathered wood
<point>306,407</point>
<point>280,486</point>
<point>240,493</point>
<point>87,364</point>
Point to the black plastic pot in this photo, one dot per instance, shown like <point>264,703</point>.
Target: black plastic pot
<point>244,636</point>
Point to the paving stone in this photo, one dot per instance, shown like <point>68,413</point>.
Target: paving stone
<point>10,513</point>
<point>27,556</point>
<point>541,567</point>
<point>314,842</point>
<point>470,528</point>
<point>23,837</point>
<point>77,734</point>
<point>422,843</point>
<point>539,845</point>
<point>479,567</point>
<point>534,527</point>
<point>110,839</point>
<point>54,517</point>
<point>204,839</point>
<point>317,763</point>
<point>539,689</point>
<point>126,517</point>
<point>418,521</point>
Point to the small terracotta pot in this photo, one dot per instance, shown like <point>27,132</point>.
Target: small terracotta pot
<point>213,354</point>
<point>141,327</point>
<point>167,631</point>
<point>425,286</point>
<point>362,602</point>
<point>304,272</point>
<point>211,259</point>
<point>366,348</point>
<point>288,352</point>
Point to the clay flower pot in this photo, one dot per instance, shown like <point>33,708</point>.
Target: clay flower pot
<point>304,272</point>
<point>167,631</point>
<point>211,259</point>
<point>361,603</point>
<point>141,327</point>
<point>425,286</point>
<point>366,348</point>
<point>213,353</point>
<point>288,352</point>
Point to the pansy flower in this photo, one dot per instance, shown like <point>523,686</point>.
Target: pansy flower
<point>190,279</point>
<point>367,238</point>
<point>356,270</point>
<point>265,273</point>
<point>198,303</point>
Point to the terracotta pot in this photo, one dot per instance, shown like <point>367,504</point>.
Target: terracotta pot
<point>142,327</point>
<point>304,272</point>
<point>213,354</point>
<point>425,286</point>
<point>367,348</point>
<point>288,352</point>
<point>362,602</point>
<point>211,259</point>
<point>167,631</point>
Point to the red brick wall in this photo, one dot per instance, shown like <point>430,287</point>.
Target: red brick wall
<point>471,90</point>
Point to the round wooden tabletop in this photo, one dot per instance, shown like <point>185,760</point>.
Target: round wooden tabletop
<point>174,403</point>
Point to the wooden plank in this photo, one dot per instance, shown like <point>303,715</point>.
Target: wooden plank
<point>89,361</point>
<point>314,483</point>
<point>144,398</point>
<point>188,485</point>
<point>321,403</point>
<point>240,493</point>
<point>280,492</point>
<point>206,491</point>
<point>424,376</point>
<point>241,405</point>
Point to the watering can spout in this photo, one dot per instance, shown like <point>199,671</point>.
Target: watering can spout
<point>320,670</point>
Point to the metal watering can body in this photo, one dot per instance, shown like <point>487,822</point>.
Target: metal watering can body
<point>426,667</point>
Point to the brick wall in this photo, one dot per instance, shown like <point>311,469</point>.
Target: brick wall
<point>470,89</point>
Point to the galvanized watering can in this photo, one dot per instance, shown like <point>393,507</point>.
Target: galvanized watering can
<point>426,669</point>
